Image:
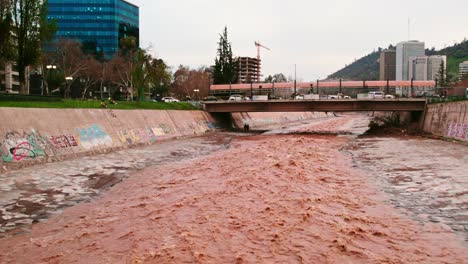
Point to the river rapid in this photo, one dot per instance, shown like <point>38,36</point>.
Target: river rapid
<point>312,193</point>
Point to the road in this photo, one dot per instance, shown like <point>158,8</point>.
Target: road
<point>308,194</point>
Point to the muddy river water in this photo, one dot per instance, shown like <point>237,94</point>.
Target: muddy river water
<point>315,192</point>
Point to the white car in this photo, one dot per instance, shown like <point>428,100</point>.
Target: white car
<point>235,97</point>
<point>169,100</point>
<point>389,96</point>
<point>376,94</point>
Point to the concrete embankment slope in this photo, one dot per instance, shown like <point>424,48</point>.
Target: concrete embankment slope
<point>448,120</point>
<point>31,136</point>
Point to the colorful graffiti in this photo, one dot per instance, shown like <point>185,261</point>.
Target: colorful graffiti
<point>143,135</point>
<point>17,147</point>
<point>63,141</point>
<point>93,136</point>
<point>459,131</point>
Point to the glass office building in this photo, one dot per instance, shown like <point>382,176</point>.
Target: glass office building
<point>97,23</point>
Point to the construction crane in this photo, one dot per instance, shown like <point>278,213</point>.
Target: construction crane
<point>258,45</point>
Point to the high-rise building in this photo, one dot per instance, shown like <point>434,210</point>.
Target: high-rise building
<point>463,70</point>
<point>417,69</point>
<point>247,69</point>
<point>404,51</point>
<point>387,64</point>
<point>9,79</point>
<point>433,66</point>
<point>97,23</point>
<point>426,68</point>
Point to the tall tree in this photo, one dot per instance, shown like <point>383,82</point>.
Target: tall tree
<point>441,75</point>
<point>6,44</point>
<point>191,82</point>
<point>224,69</point>
<point>70,60</point>
<point>32,29</point>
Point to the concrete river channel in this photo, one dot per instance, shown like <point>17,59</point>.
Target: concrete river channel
<point>424,179</point>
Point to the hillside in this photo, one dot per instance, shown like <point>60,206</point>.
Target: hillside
<point>367,67</point>
<point>455,54</point>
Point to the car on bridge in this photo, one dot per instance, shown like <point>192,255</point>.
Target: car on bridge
<point>238,97</point>
<point>376,94</point>
<point>210,98</point>
<point>169,100</point>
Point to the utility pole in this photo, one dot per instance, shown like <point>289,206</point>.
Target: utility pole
<point>294,79</point>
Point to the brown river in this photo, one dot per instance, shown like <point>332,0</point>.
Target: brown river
<point>315,192</point>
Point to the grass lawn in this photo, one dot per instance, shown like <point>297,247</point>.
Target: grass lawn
<point>97,104</point>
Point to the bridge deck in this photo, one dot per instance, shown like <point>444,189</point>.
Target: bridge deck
<point>340,105</point>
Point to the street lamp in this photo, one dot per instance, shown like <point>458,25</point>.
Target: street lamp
<point>69,80</point>
<point>48,67</point>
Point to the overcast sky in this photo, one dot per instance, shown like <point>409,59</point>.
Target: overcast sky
<point>319,36</point>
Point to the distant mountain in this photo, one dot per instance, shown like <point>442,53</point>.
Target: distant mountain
<point>367,67</point>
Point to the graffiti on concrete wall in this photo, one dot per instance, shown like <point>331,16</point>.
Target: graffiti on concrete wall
<point>18,147</point>
<point>63,141</point>
<point>142,135</point>
<point>133,136</point>
<point>93,136</point>
<point>459,131</point>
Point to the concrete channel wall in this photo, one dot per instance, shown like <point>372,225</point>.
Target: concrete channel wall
<point>261,120</point>
<point>32,136</point>
<point>447,120</point>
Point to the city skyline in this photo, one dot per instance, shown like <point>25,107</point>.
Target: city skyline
<point>319,38</point>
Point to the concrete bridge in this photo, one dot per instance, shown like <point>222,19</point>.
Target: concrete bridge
<point>335,105</point>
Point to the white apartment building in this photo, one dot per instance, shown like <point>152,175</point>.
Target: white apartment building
<point>463,70</point>
<point>426,68</point>
<point>9,79</point>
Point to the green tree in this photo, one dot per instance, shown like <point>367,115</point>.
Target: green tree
<point>6,44</point>
<point>224,71</point>
<point>32,30</point>
<point>441,75</point>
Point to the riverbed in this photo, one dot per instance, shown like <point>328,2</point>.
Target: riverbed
<point>315,193</point>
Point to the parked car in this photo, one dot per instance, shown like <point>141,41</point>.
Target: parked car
<point>235,97</point>
<point>169,100</point>
<point>389,96</point>
<point>299,97</point>
<point>376,94</point>
<point>210,98</point>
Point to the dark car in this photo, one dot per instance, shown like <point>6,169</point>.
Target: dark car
<point>210,98</point>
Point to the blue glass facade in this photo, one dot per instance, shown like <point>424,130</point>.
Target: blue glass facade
<point>97,22</point>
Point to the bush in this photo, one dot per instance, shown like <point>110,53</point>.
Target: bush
<point>28,98</point>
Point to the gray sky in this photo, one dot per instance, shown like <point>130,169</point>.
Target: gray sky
<point>319,36</point>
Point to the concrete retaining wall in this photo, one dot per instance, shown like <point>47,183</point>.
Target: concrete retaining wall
<point>261,120</point>
<point>448,120</point>
<point>31,136</point>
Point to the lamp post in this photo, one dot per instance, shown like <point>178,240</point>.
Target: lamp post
<point>196,92</point>
<point>295,89</point>
<point>48,67</point>
<point>69,80</point>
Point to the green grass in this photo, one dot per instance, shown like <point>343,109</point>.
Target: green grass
<point>97,105</point>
